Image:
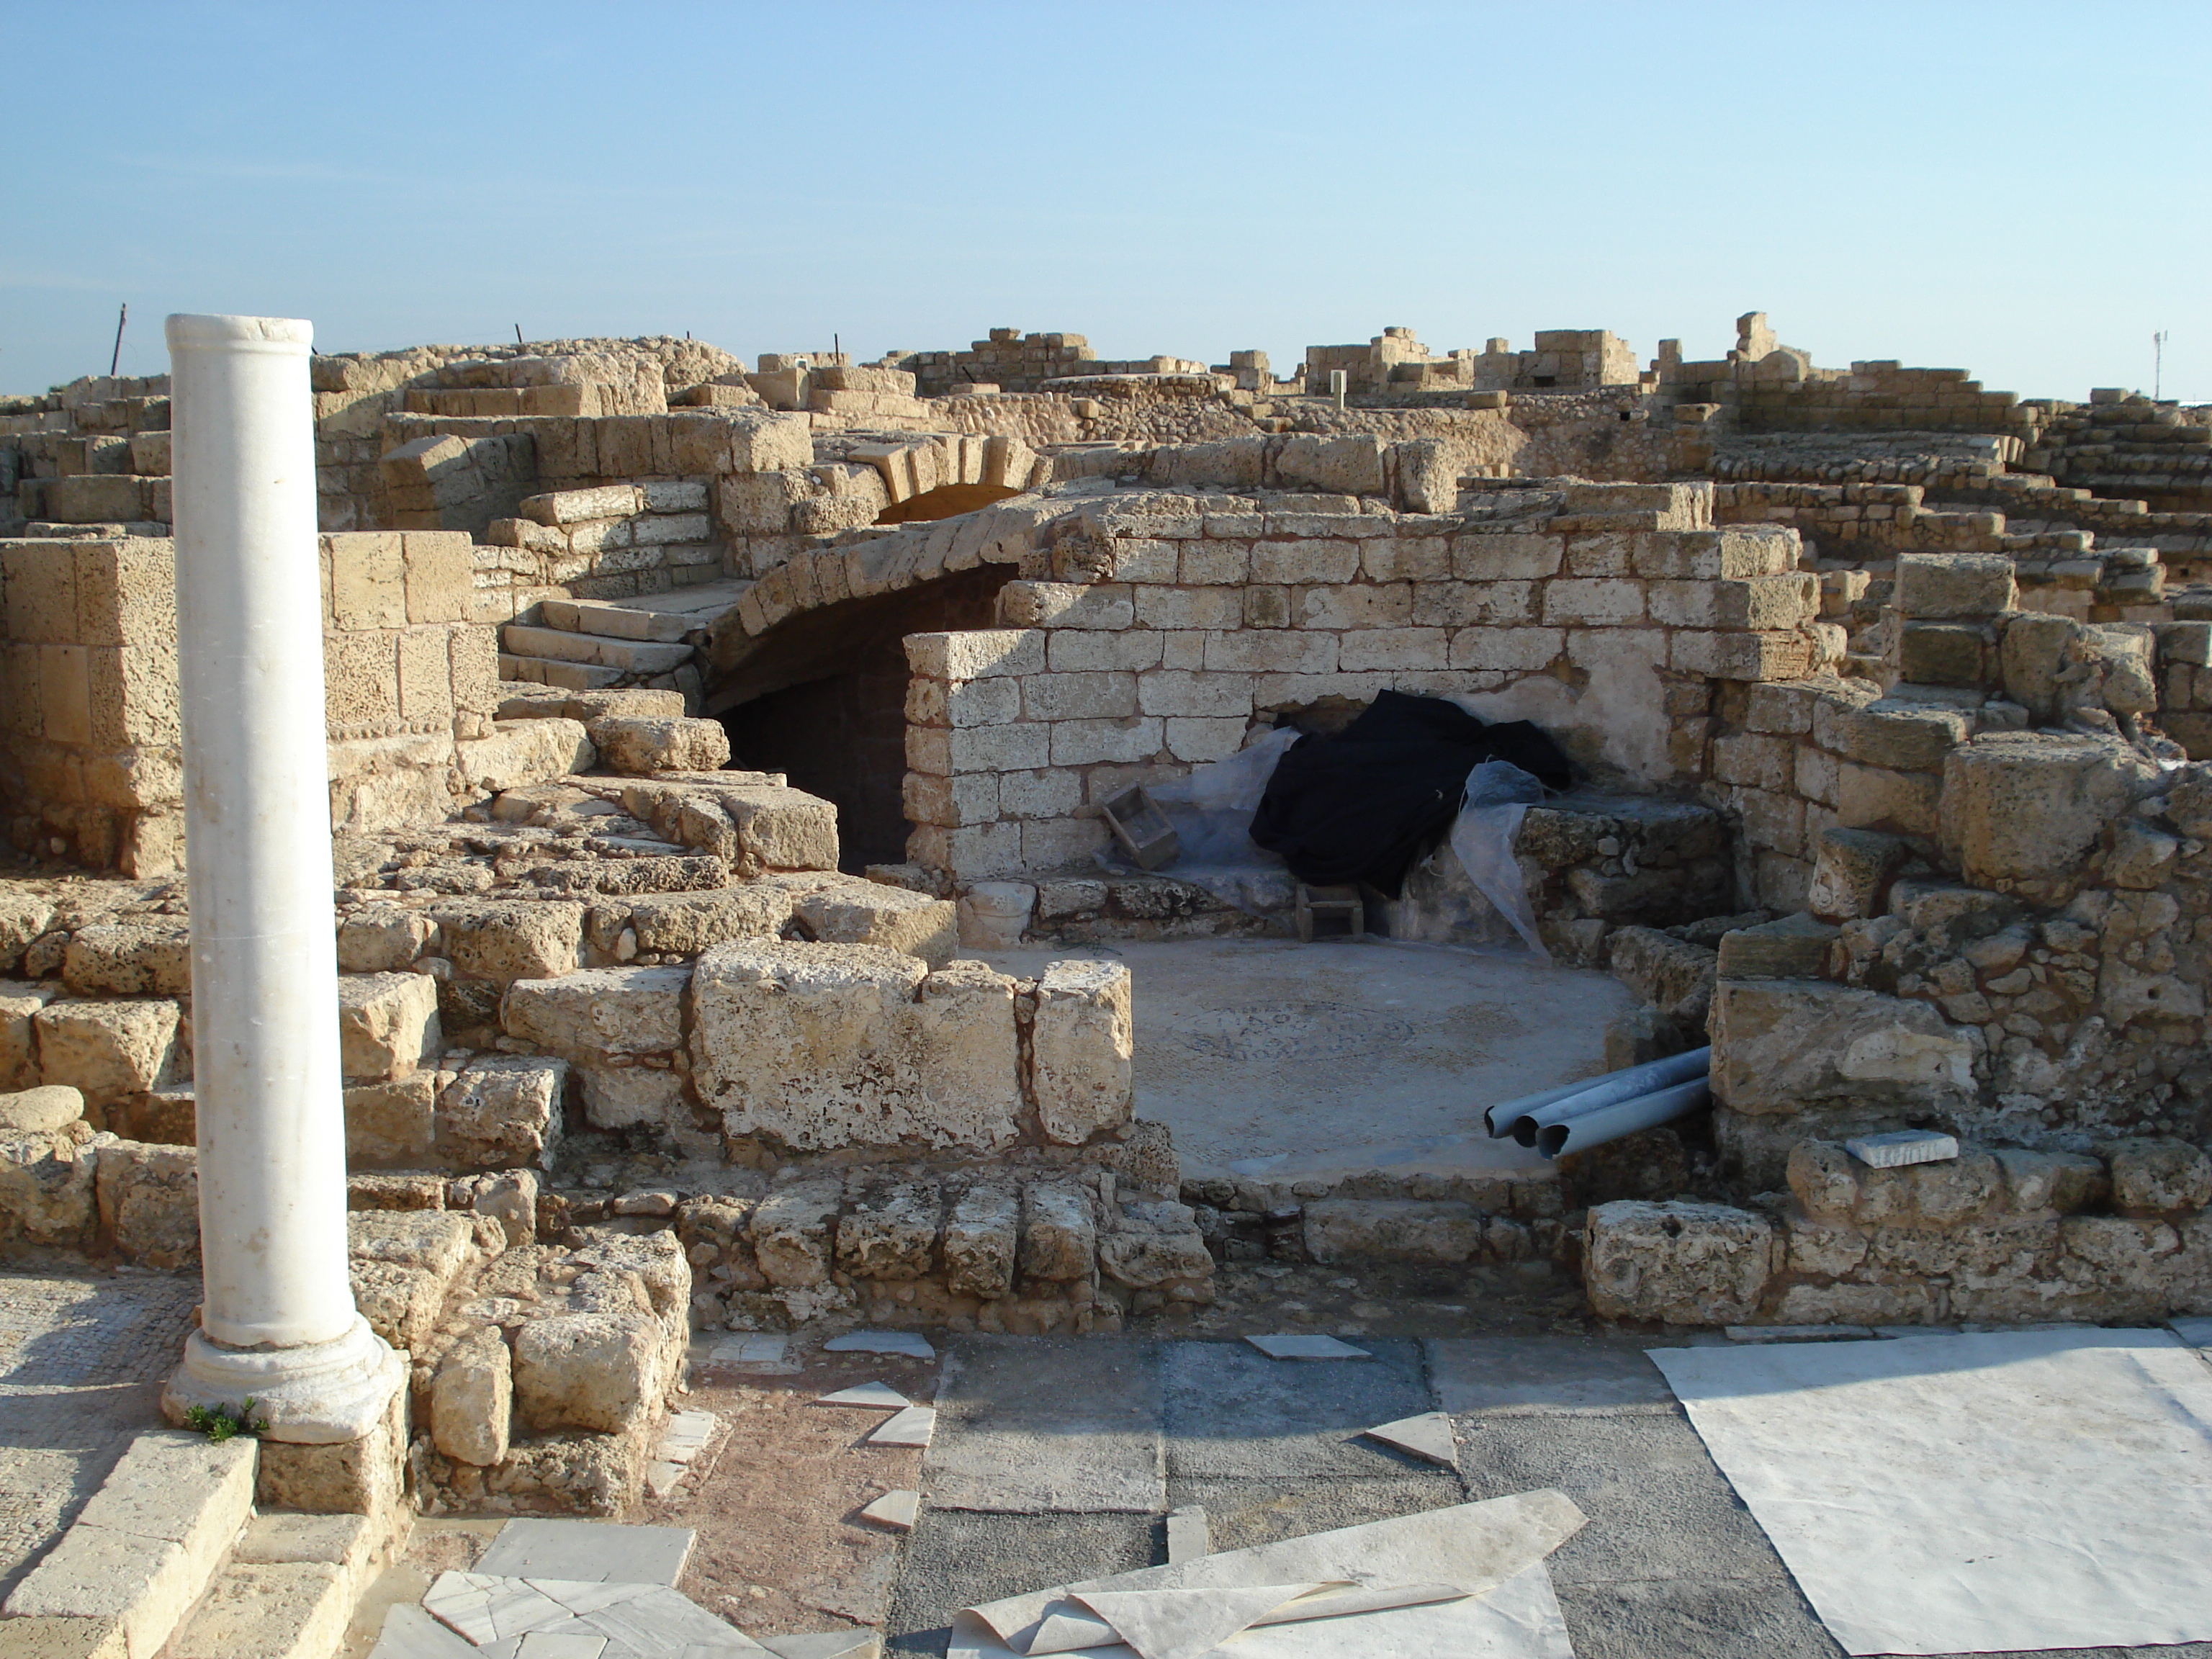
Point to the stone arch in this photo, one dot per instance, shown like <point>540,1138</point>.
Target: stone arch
<point>808,671</point>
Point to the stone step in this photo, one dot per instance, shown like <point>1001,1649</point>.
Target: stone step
<point>567,676</point>
<point>148,1544</point>
<point>631,656</point>
<point>289,1592</point>
<point>614,622</point>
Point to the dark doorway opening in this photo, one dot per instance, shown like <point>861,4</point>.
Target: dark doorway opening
<point>823,700</point>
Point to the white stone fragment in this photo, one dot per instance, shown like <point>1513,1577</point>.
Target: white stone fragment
<point>1306,1347</point>
<point>911,1427</point>
<point>817,1645</point>
<point>686,1435</point>
<point>1904,1146</point>
<point>906,1342</point>
<point>662,1477</point>
<point>880,1395</point>
<point>1189,1535</point>
<point>749,1351</point>
<point>896,1509</point>
<point>410,1633</point>
<point>545,1644</point>
<point>1429,1435</point>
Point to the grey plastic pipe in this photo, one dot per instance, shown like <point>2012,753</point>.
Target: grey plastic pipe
<point>1588,1129</point>
<point>1523,1119</point>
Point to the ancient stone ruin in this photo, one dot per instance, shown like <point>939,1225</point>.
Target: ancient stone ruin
<point>693,729</point>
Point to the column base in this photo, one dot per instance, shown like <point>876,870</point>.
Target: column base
<point>316,1395</point>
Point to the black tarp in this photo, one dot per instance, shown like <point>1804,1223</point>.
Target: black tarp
<point>1370,802</point>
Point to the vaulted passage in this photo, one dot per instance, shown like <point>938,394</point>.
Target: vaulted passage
<point>823,698</point>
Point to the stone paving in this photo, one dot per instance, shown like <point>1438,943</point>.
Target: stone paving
<point>82,1358</point>
<point>1671,1561</point>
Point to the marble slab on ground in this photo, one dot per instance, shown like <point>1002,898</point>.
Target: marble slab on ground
<point>876,1396</point>
<point>2197,1333</point>
<point>500,1615</point>
<point>912,1344</point>
<point>1031,1425</point>
<point>1294,1345</point>
<point>1232,1411</point>
<point>409,1632</point>
<point>595,1550</point>
<point>1542,1375</point>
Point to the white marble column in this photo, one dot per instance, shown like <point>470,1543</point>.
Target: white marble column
<point>278,1322</point>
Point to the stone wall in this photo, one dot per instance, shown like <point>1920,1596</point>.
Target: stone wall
<point>1179,623</point>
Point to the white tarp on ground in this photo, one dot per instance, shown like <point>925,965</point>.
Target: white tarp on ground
<point>1976,1493</point>
<point>1493,1552</point>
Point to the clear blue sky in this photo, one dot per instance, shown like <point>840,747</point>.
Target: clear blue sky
<point>2018,189</point>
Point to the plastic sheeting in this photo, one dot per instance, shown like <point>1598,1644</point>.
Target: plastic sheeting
<point>1211,810</point>
<point>1498,796</point>
<point>1973,1494</point>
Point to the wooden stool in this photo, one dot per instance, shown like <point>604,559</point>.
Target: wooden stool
<point>1331,904</point>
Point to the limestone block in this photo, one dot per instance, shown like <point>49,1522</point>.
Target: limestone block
<point>792,1231</point>
<point>978,654</point>
<point>1082,1048</point>
<point>982,1235</point>
<point>383,938</point>
<point>761,441</point>
<point>1945,654</point>
<point>1685,1264</point>
<point>23,917</point>
<point>148,1198</point>
<point>590,1370</point>
<point>622,1096</point>
<point>392,1122</point>
<point>2026,808</point>
<point>2032,657</point>
<point>523,752</point>
<point>506,939</point>
<point>1349,465</point>
<point>1938,585</point>
<point>600,1010</point>
<point>471,1398</point>
<point>2158,1176</point>
<point>387,1025</point>
<point>1672,975</point>
<point>146,1544</point>
<point>1437,1232</point>
<point>1154,1244</point>
<point>2059,1182</point>
<point>890,1231</point>
<point>1902,737</point>
<point>1875,798</point>
<point>46,1185</point>
<point>39,1111</point>
<point>640,748</point>
<point>503,1111</point>
<point>869,913</point>
<point>684,924</point>
<point>782,829</point>
<point>1059,1239</point>
<point>1850,872</point>
<point>2142,857</point>
<point>1792,947</point>
<point>19,1002</point>
<point>368,577</point>
<point>150,958</point>
<point>1781,1045</point>
<point>107,1050</point>
<point>401,1302</point>
<point>822,1045</point>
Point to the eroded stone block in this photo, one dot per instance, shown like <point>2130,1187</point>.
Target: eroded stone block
<point>1081,1048</point>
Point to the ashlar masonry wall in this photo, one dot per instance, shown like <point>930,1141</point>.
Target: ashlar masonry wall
<point>1179,623</point>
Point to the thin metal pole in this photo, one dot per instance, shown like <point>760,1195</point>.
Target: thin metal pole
<point>116,357</point>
